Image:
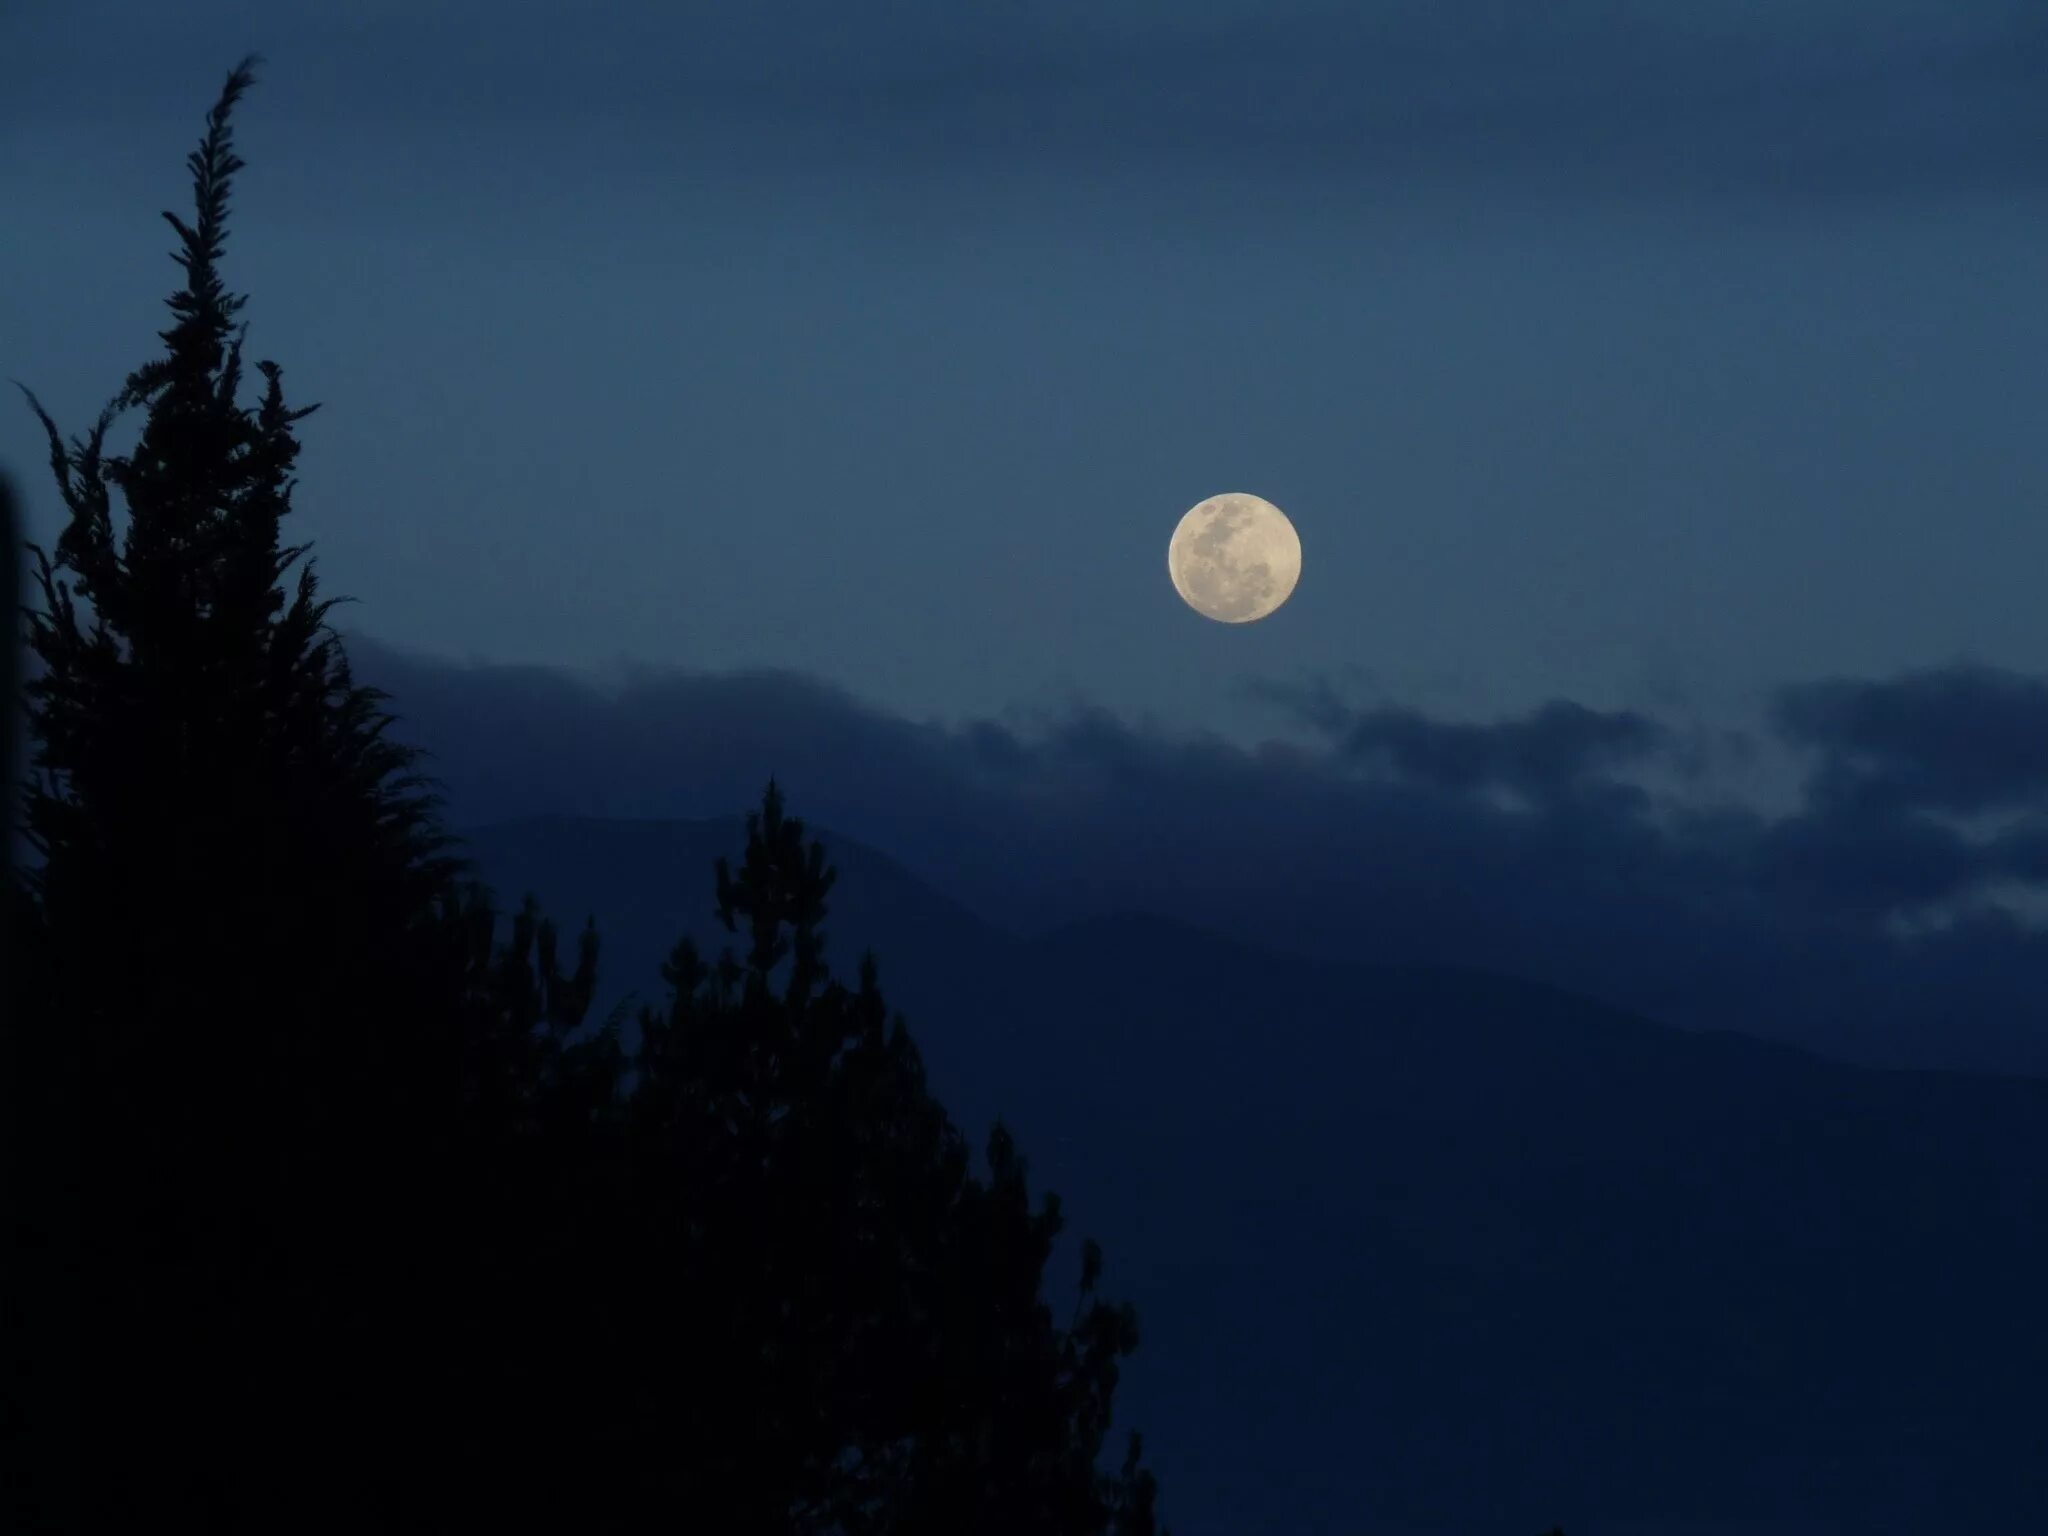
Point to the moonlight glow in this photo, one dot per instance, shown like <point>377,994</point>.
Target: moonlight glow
<point>1234,558</point>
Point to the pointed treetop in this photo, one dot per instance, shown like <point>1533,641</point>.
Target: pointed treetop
<point>205,471</point>
<point>204,307</point>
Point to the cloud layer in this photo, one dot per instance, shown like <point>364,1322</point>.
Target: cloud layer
<point>1859,100</point>
<point>1859,924</point>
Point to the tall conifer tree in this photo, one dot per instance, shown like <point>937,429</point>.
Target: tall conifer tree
<point>365,1229</point>
<point>242,923</point>
<point>860,1316</point>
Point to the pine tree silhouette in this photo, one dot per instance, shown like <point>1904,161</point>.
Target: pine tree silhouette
<point>881,1359</point>
<point>358,1221</point>
<point>238,909</point>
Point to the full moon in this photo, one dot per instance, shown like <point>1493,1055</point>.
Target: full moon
<point>1234,558</point>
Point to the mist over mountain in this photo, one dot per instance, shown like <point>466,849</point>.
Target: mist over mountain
<point>1424,1249</point>
<point>1880,917</point>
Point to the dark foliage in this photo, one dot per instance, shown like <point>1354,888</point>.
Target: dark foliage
<point>238,937</point>
<point>343,1213</point>
<point>887,1362</point>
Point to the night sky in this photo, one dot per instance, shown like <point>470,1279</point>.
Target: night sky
<point>1657,389</point>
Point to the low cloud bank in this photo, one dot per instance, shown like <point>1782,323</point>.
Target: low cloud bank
<point>1862,924</point>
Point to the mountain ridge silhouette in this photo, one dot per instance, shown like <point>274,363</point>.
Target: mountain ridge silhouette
<point>1431,1248</point>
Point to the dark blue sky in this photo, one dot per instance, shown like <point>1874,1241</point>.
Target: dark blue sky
<point>1657,389</point>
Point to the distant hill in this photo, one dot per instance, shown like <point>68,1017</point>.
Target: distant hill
<point>1436,1252</point>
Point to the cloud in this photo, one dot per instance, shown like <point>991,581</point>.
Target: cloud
<point>1554,750</point>
<point>1625,95</point>
<point>1963,739</point>
<point>1520,845</point>
<point>1869,100</point>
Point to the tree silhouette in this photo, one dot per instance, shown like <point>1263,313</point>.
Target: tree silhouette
<point>785,1303</point>
<point>238,912</point>
<point>881,1359</point>
<point>358,1220</point>
<point>33,1399</point>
